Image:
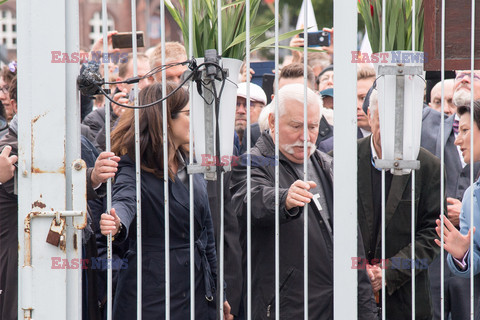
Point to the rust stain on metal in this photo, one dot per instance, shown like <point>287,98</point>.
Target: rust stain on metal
<point>27,224</point>
<point>35,119</point>
<point>37,170</point>
<point>75,241</point>
<point>84,222</point>
<point>38,204</point>
<point>27,253</point>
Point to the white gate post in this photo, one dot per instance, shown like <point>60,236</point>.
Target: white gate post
<point>48,139</point>
<point>345,161</point>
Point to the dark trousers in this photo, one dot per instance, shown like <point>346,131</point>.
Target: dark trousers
<point>8,256</point>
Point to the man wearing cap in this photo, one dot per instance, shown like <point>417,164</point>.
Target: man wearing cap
<point>258,100</point>
<point>325,78</point>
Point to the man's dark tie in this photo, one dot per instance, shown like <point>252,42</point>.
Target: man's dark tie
<point>455,126</point>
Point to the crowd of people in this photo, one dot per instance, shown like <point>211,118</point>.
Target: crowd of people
<point>295,195</point>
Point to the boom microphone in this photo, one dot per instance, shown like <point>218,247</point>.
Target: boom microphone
<point>89,81</point>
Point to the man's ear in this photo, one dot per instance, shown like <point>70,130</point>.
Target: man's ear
<point>271,122</point>
<point>369,117</point>
<point>14,105</point>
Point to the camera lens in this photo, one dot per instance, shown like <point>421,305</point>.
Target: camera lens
<point>321,39</point>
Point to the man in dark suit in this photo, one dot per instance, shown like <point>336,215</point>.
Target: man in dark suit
<point>398,224</point>
<point>457,180</point>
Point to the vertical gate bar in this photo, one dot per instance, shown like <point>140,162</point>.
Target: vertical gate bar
<point>72,152</point>
<point>413,26</point>
<point>442,166</point>
<point>345,163</point>
<point>107,148</point>
<point>383,235</point>
<point>384,5</point>
<point>147,23</point>
<point>219,19</point>
<point>472,111</point>
<point>249,165</point>
<point>413,265</point>
<point>165,166</point>
<point>138,181</point>
<point>222,211</point>
<point>413,239</point>
<point>277,174</point>
<point>305,163</point>
<point>190,176</point>
<point>222,244</point>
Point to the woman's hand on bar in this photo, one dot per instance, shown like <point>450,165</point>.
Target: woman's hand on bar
<point>110,223</point>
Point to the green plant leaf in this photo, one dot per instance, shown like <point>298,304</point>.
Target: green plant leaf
<point>232,4</point>
<point>281,37</point>
<point>300,49</point>
<point>253,32</point>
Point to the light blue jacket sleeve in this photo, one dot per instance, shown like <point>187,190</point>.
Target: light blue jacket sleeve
<point>465,224</point>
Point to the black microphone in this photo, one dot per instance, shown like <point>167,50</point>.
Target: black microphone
<point>89,81</point>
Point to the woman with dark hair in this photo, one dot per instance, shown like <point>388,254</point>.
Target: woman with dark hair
<point>457,242</point>
<point>121,222</point>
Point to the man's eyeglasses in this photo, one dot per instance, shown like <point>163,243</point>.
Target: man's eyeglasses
<point>252,104</point>
<point>461,75</point>
<point>4,89</point>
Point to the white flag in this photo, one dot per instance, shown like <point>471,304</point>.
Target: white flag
<point>312,22</point>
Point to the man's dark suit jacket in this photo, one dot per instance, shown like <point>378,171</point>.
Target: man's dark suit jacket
<point>398,234</point>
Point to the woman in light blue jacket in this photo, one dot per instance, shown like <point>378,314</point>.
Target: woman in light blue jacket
<point>457,243</point>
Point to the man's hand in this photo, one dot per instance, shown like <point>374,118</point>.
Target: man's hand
<point>119,97</point>
<point>455,243</point>
<point>298,194</point>
<point>454,206</point>
<point>375,275</point>
<point>329,49</point>
<point>98,45</point>
<point>105,168</point>
<point>7,169</point>
<point>243,74</point>
<point>226,311</point>
<point>109,223</point>
<point>298,43</point>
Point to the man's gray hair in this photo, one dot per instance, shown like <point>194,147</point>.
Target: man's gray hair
<point>295,92</point>
<point>373,106</point>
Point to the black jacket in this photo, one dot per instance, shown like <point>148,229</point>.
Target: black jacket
<point>398,230</point>
<point>291,239</point>
<point>153,244</point>
<point>96,121</point>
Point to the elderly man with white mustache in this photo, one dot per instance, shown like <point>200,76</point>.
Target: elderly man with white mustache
<point>294,196</point>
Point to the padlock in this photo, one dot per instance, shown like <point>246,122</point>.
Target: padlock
<point>56,231</point>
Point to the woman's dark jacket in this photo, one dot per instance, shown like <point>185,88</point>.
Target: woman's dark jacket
<point>153,245</point>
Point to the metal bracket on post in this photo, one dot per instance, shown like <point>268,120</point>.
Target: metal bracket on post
<point>208,76</point>
<point>79,193</point>
<point>398,164</point>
